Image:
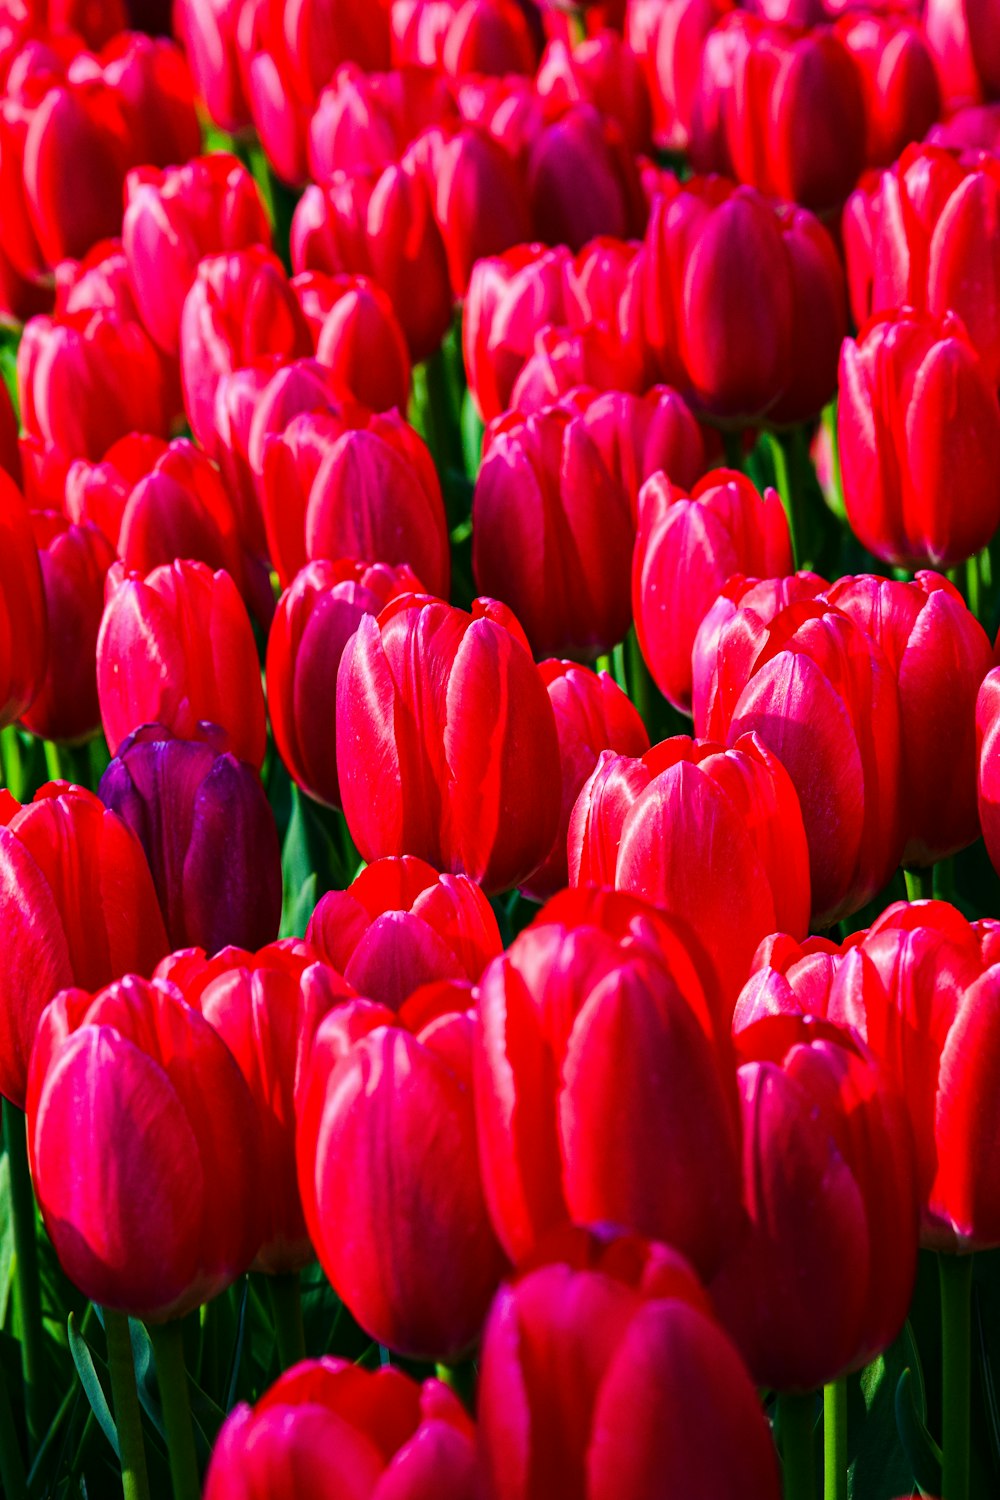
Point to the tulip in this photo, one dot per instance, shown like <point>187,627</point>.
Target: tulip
<point>940,655</point>
<point>580,141</point>
<point>446,715</point>
<point>974,128</point>
<point>185,800</point>
<point>341,1429</point>
<point>604,1373</point>
<point>714,837</point>
<point>98,492</point>
<point>899,80</point>
<point>177,217</point>
<point>315,619</point>
<point>819,317</point>
<point>602,71</point>
<point>988,762</point>
<point>480,200</point>
<point>239,307</point>
<point>74,562</point>
<point>208,28</point>
<point>674,45</point>
<point>686,549</point>
<point>509,297</point>
<point>24,638</point>
<point>592,715</point>
<point>78,908</point>
<point>359,339</point>
<point>917,405</point>
<point>463,36</point>
<point>135,1076</point>
<point>317,36</point>
<point>154,91</point>
<point>266,1007</point>
<point>237,399</point>
<point>367,120</point>
<point>780,109</point>
<point>83,123</point>
<point>831,1203</point>
<point>602,1095</point>
<point>400,925</point>
<point>99,279</point>
<point>388,1171</point>
<point>177,649</point>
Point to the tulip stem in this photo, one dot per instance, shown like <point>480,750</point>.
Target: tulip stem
<point>29,1294</point>
<point>796,1421</point>
<point>168,1346</point>
<point>128,1418</point>
<point>919,884</point>
<point>835,1440</point>
<point>787,456</point>
<point>286,1306</point>
<point>638,677</point>
<point>13,763</point>
<point>956,1372</point>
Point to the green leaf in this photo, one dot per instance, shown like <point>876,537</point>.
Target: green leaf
<point>881,1468</point>
<point>86,1368</point>
<point>922,1451</point>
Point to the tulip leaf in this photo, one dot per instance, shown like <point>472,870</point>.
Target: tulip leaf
<point>6,1239</point>
<point>881,1468</point>
<point>921,1450</point>
<point>86,1368</point>
<point>237,1354</point>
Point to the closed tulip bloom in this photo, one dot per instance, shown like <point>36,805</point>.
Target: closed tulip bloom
<point>209,33</point>
<point>80,122</point>
<point>185,800</point>
<point>940,655</point>
<point>917,406</point>
<point>78,907</point>
<point>509,297</point>
<point>315,619</point>
<point>714,837</point>
<point>407,254</point>
<point>686,549</point>
<point>134,1075</point>
<point>821,695</point>
<point>174,219</point>
<point>176,648</point>
<point>239,307</point>
<point>24,639</point>
<point>360,340</point>
<point>74,562</point>
<point>154,90</point>
<point>963,267</point>
<point>830,1191</point>
<point>605,1374</point>
<point>389,1174</point>
<point>899,80</point>
<point>602,1095</point>
<point>592,715</point>
<point>463,36</point>
<point>446,715</point>
<point>603,71</point>
<point>988,762</point>
<point>339,1429</point>
<point>98,492</point>
<point>400,925</point>
<point>267,1006</point>
<point>582,139</point>
<point>480,200</point>
<point>368,119</point>
<point>819,317</point>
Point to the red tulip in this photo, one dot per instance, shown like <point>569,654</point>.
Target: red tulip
<point>358,337</point>
<point>592,714</point>
<point>74,562</point>
<point>208,28</point>
<point>177,649</point>
<point>602,71</point>
<point>673,45</point>
<point>389,1176</point>
<point>463,36</point>
<point>134,1075</point>
<point>510,297</point>
<point>400,925</point>
<point>899,80</point>
<point>819,317</point>
<point>99,279</point>
<point>713,837</point>
<point>601,1093</point>
<point>605,1374</point>
<point>342,1430</point>
<point>988,761</point>
<point>446,715</point>
<point>367,120</point>
<point>177,217</point>
<point>582,140</point>
<point>154,90</point>
<point>80,122</point>
<point>98,492</point>
<point>24,630</point>
<point>820,1280</point>
<point>185,800</point>
<point>78,907</point>
<point>480,200</point>
<point>267,1006</point>
<point>940,655</point>
<point>686,549</point>
<point>917,405</point>
<point>315,619</point>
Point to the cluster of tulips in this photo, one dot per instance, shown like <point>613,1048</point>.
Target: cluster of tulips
<point>500,748</point>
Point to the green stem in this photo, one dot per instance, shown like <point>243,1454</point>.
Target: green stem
<point>956,1372</point>
<point>286,1305</point>
<point>11,1463</point>
<point>53,764</point>
<point>13,762</point>
<point>168,1346</point>
<point>618,667</point>
<point>462,1380</point>
<point>128,1418</point>
<point>638,677</point>
<point>796,1421</point>
<point>835,1440</point>
<point>29,1294</point>
<point>786,453</point>
<point>972,585</point>
<point>919,884</point>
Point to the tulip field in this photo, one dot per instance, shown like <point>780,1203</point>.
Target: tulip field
<point>499,749</point>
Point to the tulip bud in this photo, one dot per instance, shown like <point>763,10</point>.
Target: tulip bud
<point>446,714</point>
<point>602,71</point>
<point>350,1431</point>
<point>184,800</point>
<point>509,297</point>
<point>177,649</point>
<point>389,1175</point>
<point>400,925</point>
<point>359,339</point>
<point>604,1371</point>
<point>480,201</point>
<point>988,757</point>
<point>24,636</point>
<point>899,80</point>
<point>82,123</point>
<point>74,562</point>
<point>686,549</point>
<point>208,28</point>
<point>78,908</point>
<point>917,406</point>
<point>134,1075</point>
<point>583,141</point>
<point>367,120</point>
<point>315,619</point>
